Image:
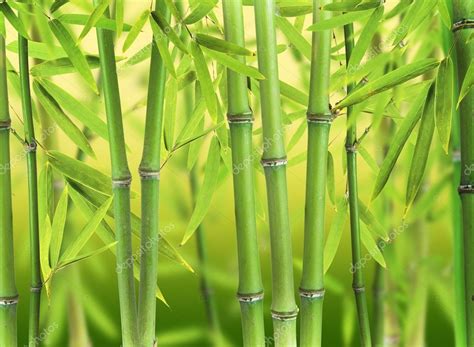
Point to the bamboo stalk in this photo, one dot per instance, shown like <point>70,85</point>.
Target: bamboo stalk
<point>121,180</point>
<point>8,291</point>
<point>150,181</point>
<point>463,23</point>
<point>319,123</point>
<point>36,281</point>
<point>250,290</point>
<point>284,309</point>
<point>358,283</point>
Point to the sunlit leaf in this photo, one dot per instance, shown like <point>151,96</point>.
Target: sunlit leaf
<point>202,9</point>
<point>220,45</point>
<point>335,233</point>
<point>136,28</point>
<point>444,101</point>
<point>295,38</point>
<point>13,19</point>
<point>94,17</point>
<point>59,223</point>
<point>234,64</point>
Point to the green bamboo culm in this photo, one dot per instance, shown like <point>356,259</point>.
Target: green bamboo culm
<point>150,183</point>
<point>121,180</point>
<point>463,20</point>
<point>8,291</point>
<point>31,146</point>
<point>319,122</point>
<point>240,117</point>
<point>358,283</point>
<point>284,309</point>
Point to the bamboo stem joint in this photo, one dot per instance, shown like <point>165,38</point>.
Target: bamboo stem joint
<point>312,294</point>
<point>285,316</point>
<point>7,301</point>
<point>274,162</point>
<point>244,117</point>
<point>122,182</point>
<point>466,189</point>
<point>248,298</point>
<point>463,24</point>
<point>5,124</point>
<point>323,118</point>
<point>149,175</point>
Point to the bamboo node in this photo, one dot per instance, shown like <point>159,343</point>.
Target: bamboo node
<point>31,147</point>
<point>322,118</point>
<point>9,300</point>
<point>244,117</point>
<point>249,298</point>
<point>36,289</point>
<point>466,189</point>
<point>351,148</point>
<point>463,24</point>
<point>149,175</point>
<point>285,316</point>
<point>5,124</point>
<point>358,289</point>
<point>312,294</point>
<point>274,162</point>
<point>122,182</point>
<point>456,156</point>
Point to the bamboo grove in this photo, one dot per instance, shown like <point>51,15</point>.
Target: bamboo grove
<point>237,172</point>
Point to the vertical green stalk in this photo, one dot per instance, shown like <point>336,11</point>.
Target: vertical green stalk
<point>150,181</point>
<point>319,122</point>
<point>121,180</point>
<point>8,291</point>
<point>463,24</point>
<point>36,282</point>
<point>240,117</point>
<point>284,309</point>
<point>358,283</point>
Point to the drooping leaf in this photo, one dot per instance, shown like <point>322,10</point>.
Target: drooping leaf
<point>202,9</point>
<point>335,233</point>
<point>168,31</point>
<point>119,12</point>
<point>61,66</point>
<point>45,239</point>
<point>85,256</point>
<point>55,112</point>
<point>235,65</point>
<point>398,142</point>
<point>13,19</point>
<point>444,13</point>
<point>73,52</point>
<point>94,17</point>
<point>136,28</point>
<point>59,222</point>
<point>57,4</point>
<point>39,50</point>
<point>170,112</point>
<point>294,10</point>
<point>294,36</point>
<point>162,45</point>
<point>389,80</point>
<point>371,246</point>
<point>297,135</point>
<point>293,94</point>
<point>220,45</point>
<point>102,23</point>
<point>444,101</point>
<point>338,21</point>
<point>467,83</point>
<point>371,222</point>
<point>206,191</point>
<point>331,182</point>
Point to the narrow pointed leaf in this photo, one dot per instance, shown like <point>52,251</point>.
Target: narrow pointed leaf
<point>335,234</point>
<point>293,94</point>
<point>444,101</point>
<point>338,21</point>
<point>331,182</point>
<point>40,50</point>
<point>61,66</point>
<point>220,45</point>
<point>201,10</point>
<point>371,222</point>
<point>94,18</point>
<point>467,83</point>
<point>168,31</point>
<point>119,11</point>
<point>102,23</point>
<point>294,36</point>
<point>136,28</point>
<point>162,45</point>
<point>85,256</point>
<point>45,239</point>
<point>170,112</point>
<point>59,222</point>
<point>57,4</point>
<point>235,65</point>
<point>371,246</point>
<point>13,19</point>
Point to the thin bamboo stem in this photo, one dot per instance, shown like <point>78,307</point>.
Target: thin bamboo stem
<point>121,180</point>
<point>463,10</point>
<point>36,281</point>
<point>250,290</point>
<point>150,181</point>
<point>319,123</point>
<point>8,291</point>
<point>284,309</point>
<point>358,283</point>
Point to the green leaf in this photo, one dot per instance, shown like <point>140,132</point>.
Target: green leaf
<point>102,23</point>
<point>444,13</point>
<point>76,108</point>
<point>202,9</point>
<point>205,79</point>
<point>39,50</point>
<point>467,83</point>
<point>136,28</point>
<point>294,10</point>
<point>335,233</point>
<point>13,19</point>
<point>171,94</point>
<point>73,52</point>
<point>168,31</point>
<point>338,21</point>
<point>57,4</point>
<point>119,11</point>
<point>371,222</point>
<point>94,18</point>
<point>348,321</point>
<point>371,246</point>
<point>293,94</point>
<point>61,66</point>
<point>398,142</point>
<point>422,150</point>
<point>293,35</point>
<point>389,80</point>
<point>220,45</point>
<point>80,241</point>
<point>85,256</point>
<point>365,38</point>
<point>55,112</point>
<point>81,172</point>
<point>59,223</point>
<point>45,239</point>
<point>444,101</point>
<point>206,191</point>
<point>234,64</point>
<point>297,135</point>
<point>162,45</point>
<point>331,182</point>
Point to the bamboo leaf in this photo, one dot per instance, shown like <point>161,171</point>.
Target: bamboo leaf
<point>69,128</point>
<point>331,182</point>
<point>45,239</point>
<point>80,172</point>
<point>371,246</point>
<point>171,94</point>
<point>351,5</point>
<point>335,233</point>
<point>119,11</point>
<point>13,19</point>
<point>467,83</point>
<point>57,4</point>
<point>371,222</point>
<point>162,45</point>
<point>206,191</point>
<point>76,108</point>
<point>422,149</point>
<point>136,28</point>
<point>338,21</point>
<point>102,23</point>
<point>220,45</point>
<point>293,94</point>
<point>94,18</point>
<point>73,52</point>
<point>398,142</point>
<point>202,9</point>
<point>234,64</point>
<point>389,80</point>
<point>80,241</point>
<point>61,66</point>
<point>205,79</point>
<point>168,31</point>
<point>59,222</point>
<point>444,13</point>
<point>85,256</point>
<point>297,135</point>
<point>39,50</point>
<point>294,10</point>
<point>293,35</point>
<point>444,101</point>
